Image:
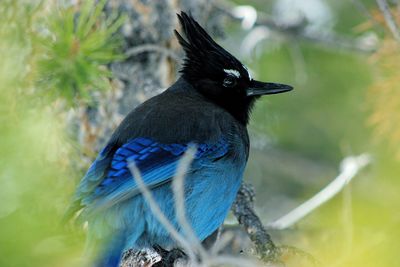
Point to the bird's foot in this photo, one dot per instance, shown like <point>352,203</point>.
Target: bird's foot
<point>140,258</point>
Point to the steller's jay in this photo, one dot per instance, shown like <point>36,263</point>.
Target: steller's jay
<point>209,105</point>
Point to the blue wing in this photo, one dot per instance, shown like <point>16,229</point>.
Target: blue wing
<point>109,181</point>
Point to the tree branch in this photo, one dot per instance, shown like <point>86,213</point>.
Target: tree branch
<point>390,21</point>
<point>349,166</point>
<point>243,210</point>
<point>331,41</point>
<point>152,48</point>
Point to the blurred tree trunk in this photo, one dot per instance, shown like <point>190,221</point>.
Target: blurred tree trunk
<point>151,65</point>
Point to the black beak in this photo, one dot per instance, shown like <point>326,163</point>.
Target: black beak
<point>257,88</point>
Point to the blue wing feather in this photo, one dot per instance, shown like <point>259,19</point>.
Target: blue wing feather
<point>109,181</point>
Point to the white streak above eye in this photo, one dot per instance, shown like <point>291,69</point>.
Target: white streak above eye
<point>233,72</point>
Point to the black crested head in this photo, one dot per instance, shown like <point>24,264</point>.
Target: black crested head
<point>217,74</point>
<point>204,57</point>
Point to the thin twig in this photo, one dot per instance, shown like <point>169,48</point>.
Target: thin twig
<point>390,21</point>
<point>178,189</point>
<point>333,40</point>
<point>221,243</point>
<point>158,213</point>
<point>350,166</point>
<point>206,258</point>
<point>152,48</point>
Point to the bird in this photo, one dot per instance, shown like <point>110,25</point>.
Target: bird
<point>208,107</point>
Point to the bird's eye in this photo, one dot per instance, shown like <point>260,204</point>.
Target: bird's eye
<point>229,81</point>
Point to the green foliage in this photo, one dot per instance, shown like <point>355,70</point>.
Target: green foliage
<point>35,174</point>
<point>74,49</point>
<point>333,91</point>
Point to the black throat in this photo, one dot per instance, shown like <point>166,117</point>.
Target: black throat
<point>240,109</point>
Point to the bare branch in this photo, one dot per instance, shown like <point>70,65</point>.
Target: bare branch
<point>221,243</point>
<point>331,41</point>
<point>153,48</point>
<point>349,166</point>
<point>178,189</point>
<point>390,21</point>
<point>244,212</point>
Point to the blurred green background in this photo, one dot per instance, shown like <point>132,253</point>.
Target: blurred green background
<point>300,138</point>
